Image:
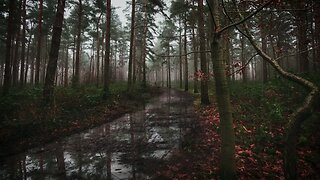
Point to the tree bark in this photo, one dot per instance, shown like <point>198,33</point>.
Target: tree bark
<point>203,60</point>
<point>180,54</point>
<point>15,70</point>
<point>1,71</point>
<point>227,161</point>
<point>15,66</point>
<point>38,57</point>
<point>66,67</point>
<point>76,79</point>
<point>144,45</point>
<point>48,91</point>
<point>301,23</point>
<point>98,52</point>
<point>133,10</point>
<point>134,60</point>
<point>186,73</point>
<point>195,62</point>
<point>169,67</point>
<point>243,60</point>
<point>73,57</point>
<point>32,68</point>
<point>61,162</point>
<point>195,54</point>
<point>264,49</point>
<point>317,33</point>
<point>23,43</point>
<point>107,54</point>
<point>9,38</point>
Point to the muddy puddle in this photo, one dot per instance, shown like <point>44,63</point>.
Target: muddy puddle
<point>131,147</point>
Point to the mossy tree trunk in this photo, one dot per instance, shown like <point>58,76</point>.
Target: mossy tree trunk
<point>227,161</point>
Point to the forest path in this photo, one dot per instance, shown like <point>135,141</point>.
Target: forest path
<point>131,147</point>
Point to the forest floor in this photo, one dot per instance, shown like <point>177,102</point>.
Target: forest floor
<point>260,114</point>
<point>25,123</point>
<point>260,117</point>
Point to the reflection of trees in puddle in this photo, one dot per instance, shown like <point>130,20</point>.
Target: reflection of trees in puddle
<point>131,147</point>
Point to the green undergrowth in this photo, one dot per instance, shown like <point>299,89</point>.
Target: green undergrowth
<point>261,114</point>
<point>23,116</point>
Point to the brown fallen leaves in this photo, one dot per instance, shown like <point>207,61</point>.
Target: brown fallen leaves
<point>256,157</point>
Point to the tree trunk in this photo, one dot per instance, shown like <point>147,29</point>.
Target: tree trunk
<point>195,54</point>
<point>203,60</point>
<point>1,71</point>
<point>102,55</point>
<point>169,67</point>
<point>27,60</point>
<point>317,33</point>
<point>226,52</point>
<point>15,67</point>
<point>195,62</point>
<point>66,68</point>
<point>243,60</point>
<point>298,117</point>
<point>61,162</point>
<point>45,59</point>
<point>180,53</point>
<point>186,73</point>
<point>115,62</point>
<point>107,54</point>
<point>302,37</point>
<point>144,45</point>
<point>98,51</point>
<point>48,91</point>
<point>76,79</point>
<point>133,10</point>
<point>73,57</point>
<point>9,38</point>
<point>90,69</point>
<point>38,58</point>
<point>227,161</point>
<point>23,43</point>
<point>32,69</point>
<point>264,49</point>
<point>134,60</point>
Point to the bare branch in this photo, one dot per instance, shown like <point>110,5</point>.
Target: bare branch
<point>246,18</point>
<point>211,13</point>
<point>230,19</point>
<point>207,51</point>
<point>244,66</point>
<point>296,53</point>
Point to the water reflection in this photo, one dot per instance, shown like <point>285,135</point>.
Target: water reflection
<point>130,147</point>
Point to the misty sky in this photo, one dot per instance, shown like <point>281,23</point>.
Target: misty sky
<point>120,5</point>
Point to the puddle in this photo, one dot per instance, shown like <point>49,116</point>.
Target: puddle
<point>130,147</point>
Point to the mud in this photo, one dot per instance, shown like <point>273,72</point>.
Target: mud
<point>131,147</point>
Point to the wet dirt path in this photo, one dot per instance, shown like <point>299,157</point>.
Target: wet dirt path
<point>130,147</point>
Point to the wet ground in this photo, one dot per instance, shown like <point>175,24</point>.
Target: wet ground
<point>131,147</point>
